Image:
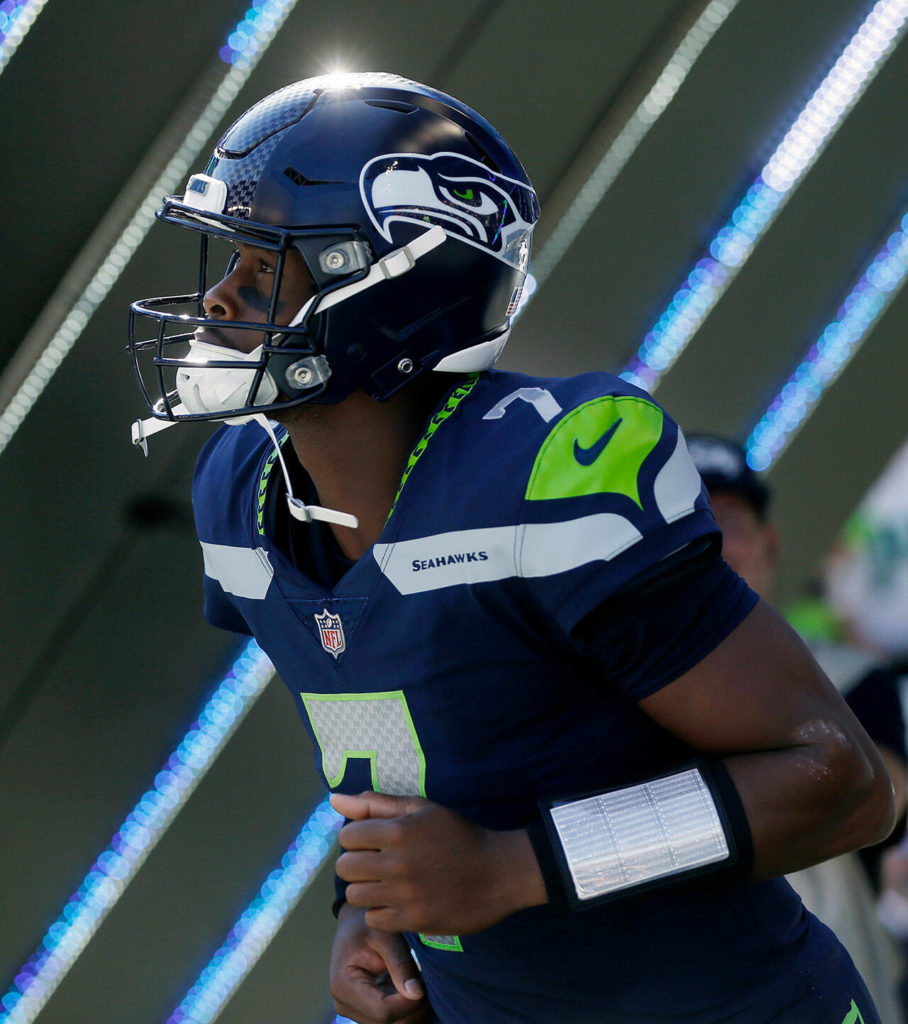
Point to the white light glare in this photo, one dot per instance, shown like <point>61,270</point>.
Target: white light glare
<point>16,18</point>
<point>795,154</point>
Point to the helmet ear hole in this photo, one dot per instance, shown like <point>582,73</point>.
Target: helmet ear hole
<point>356,352</point>
<point>344,257</point>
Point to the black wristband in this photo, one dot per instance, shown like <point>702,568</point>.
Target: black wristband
<point>548,863</point>
<point>737,825</point>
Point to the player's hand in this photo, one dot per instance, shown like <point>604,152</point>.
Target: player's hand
<point>419,867</point>
<point>373,977</point>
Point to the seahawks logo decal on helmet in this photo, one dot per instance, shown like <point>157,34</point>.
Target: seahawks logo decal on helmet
<point>466,198</point>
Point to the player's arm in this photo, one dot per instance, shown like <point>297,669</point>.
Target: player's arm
<point>811,782</point>
<point>786,776</point>
<point>799,780</point>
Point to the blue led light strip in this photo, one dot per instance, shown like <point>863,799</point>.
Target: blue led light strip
<point>796,153</point>
<point>837,344</point>
<point>16,18</point>
<point>260,922</point>
<point>112,246</point>
<point>137,837</point>
<point>246,38</point>
<point>631,134</point>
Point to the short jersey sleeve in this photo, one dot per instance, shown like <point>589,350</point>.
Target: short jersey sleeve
<point>649,634</point>
<point>612,492</point>
<point>220,611</point>
<point>223,497</point>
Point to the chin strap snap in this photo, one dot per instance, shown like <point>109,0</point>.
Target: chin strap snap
<point>143,429</point>
<point>388,267</point>
<point>298,509</point>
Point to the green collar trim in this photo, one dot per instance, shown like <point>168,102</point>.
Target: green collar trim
<point>441,415</point>
<point>451,404</point>
<point>262,495</point>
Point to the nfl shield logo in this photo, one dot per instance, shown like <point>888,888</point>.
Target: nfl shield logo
<point>331,632</point>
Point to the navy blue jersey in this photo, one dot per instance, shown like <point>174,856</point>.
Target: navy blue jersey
<point>444,664</point>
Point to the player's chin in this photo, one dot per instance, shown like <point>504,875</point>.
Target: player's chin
<point>302,412</point>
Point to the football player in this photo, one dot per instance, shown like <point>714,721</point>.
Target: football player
<point>574,750</point>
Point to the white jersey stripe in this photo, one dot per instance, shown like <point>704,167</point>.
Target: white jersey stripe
<point>243,572</point>
<point>677,486</point>
<point>478,556</point>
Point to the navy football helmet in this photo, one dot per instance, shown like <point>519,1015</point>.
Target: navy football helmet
<point>412,215</point>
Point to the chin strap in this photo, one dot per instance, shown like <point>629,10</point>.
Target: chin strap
<point>143,429</point>
<point>298,509</point>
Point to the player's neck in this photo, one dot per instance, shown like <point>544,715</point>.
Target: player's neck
<point>355,452</point>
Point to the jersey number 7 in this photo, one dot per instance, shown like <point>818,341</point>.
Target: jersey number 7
<point>377,726</point>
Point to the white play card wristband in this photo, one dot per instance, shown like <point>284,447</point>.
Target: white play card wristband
<point>658,832</point>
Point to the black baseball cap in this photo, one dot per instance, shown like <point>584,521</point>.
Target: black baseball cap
<point>723,467</point>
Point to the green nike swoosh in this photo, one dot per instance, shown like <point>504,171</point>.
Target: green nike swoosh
<point>587,456</point>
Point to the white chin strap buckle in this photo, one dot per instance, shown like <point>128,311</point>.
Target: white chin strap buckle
<point>306,513</point>
<point>299,509</point>
<point>388,267</point>
<point>143,429</point>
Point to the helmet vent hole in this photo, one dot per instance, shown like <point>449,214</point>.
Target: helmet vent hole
<point>295,176</point>
<point>298,178</point>
<point>400,107</point>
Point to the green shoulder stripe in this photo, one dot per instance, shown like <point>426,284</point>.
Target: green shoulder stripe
<point>598,448</point>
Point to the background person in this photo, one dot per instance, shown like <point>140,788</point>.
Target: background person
<point>843,891</point>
